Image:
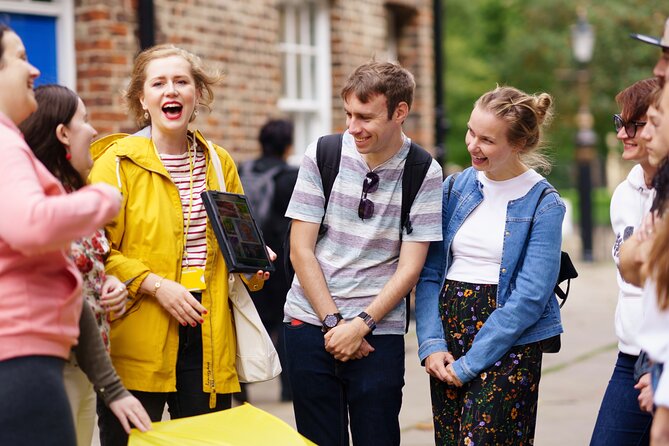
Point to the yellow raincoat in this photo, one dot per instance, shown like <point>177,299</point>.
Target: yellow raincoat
<point>147,236</point>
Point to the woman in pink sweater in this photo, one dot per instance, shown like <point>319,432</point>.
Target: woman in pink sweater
<point>40,288</point>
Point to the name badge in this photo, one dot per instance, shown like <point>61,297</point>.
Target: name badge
<point>193,279</point>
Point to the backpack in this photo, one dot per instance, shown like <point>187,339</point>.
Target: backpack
<point>328,157</point>
<point>259,188</point>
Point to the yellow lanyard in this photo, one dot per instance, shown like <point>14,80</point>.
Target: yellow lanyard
<point>191,165</point>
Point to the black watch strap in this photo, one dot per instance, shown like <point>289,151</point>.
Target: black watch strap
<point>369,320</point>
<point>330,321</point>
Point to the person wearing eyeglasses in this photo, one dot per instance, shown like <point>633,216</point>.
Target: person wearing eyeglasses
<point>621,421</point>
<point>485,299</point>
<point>662,66</point>
<point>345,311</point>
<point>644,260</point>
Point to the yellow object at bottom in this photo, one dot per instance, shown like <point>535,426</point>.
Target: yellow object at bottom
<point>241,426</point>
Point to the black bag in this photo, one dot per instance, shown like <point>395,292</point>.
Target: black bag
<point>566,273</point>
<point>567,269</point>
<point>328,157</point>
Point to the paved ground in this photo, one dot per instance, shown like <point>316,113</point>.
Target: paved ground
<point>573,380</point>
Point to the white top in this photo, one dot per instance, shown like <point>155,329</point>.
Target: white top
<point>653,338</point>
<point>477,246</point>
<point>630,202</point>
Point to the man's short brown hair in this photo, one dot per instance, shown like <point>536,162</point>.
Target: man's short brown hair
<point>386,78</point>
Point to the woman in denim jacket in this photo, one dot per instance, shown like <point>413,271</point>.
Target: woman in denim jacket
<point>485,296</point>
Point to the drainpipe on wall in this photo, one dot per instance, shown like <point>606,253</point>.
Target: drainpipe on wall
<point>146,24</point>
<point>440,127</point>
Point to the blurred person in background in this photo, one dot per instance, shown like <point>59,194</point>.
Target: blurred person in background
<point>269,182</point>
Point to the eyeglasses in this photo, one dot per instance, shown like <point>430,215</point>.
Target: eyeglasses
<point>630,126</point>
<point>366,207</point>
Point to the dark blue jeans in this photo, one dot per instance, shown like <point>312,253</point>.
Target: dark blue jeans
<point>326,391</point>
<point>34,410</point>
<point>620,421</point>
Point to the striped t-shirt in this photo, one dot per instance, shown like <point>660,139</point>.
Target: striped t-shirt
<point>195,250</point>
<point>358,257</point>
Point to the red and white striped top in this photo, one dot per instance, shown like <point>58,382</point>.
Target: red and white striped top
<point>195,250</point>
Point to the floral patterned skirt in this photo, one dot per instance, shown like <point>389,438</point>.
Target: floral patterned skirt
<point>499,406</point>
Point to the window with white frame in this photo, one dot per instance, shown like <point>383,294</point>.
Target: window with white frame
<point>306,94</point>
<point>47,30</point>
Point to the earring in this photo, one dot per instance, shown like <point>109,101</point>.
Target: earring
<point>146,115</point>
<point>195,112</point>
<point>68,155</point>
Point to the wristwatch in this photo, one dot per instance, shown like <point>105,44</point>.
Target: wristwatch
<point>369,320</point>
<point>330,321</point>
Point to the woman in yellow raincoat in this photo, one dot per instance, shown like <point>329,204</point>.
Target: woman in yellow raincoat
<point>175,344</point>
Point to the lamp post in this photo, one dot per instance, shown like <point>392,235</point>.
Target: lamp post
<point>583,42</point>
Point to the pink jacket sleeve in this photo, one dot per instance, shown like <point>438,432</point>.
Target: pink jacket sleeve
<point>36,214</point>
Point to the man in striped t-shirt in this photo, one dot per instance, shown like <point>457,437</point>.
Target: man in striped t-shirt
<point>345,311</point>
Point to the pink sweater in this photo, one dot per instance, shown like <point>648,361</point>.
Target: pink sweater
<point>40,289</point>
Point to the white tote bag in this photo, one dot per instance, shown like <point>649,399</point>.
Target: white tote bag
<point>256,359</point>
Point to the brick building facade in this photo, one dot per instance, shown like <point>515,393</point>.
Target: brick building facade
<point>279,58</point>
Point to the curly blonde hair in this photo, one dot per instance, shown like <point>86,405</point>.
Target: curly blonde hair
<point>204,80</point>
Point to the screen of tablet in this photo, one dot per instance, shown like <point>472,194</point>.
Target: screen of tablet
<point>238,236</point>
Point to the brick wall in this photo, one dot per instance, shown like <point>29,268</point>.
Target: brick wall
<point>360,32</point>
<point>239,39</point>
<point>105,47</point>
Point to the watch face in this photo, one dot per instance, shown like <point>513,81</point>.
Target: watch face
<point>330,321</point>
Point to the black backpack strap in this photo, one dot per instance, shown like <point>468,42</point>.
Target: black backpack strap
<point>546,191</point>
<point>567,269</point>
<point>451,182</point>
<point>328,157</point>
<point>417,164</point>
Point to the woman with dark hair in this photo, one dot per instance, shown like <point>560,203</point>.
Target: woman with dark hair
<point>60,136</point>
<point>621,421</point>
<point>40,287</point>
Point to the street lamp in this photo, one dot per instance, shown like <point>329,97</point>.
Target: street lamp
<point>583,42</point>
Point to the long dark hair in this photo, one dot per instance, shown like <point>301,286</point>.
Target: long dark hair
<point>56,105</point>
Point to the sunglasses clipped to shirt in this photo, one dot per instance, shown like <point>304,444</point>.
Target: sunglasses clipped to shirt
<point>630,126</point>
<point>369,185</point>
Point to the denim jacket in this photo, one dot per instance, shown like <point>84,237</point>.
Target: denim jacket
<point>527,309</point>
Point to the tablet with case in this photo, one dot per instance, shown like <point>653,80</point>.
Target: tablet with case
<point>238,236</point>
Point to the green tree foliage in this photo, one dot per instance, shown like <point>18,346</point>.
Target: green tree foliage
<point>527,44</point>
